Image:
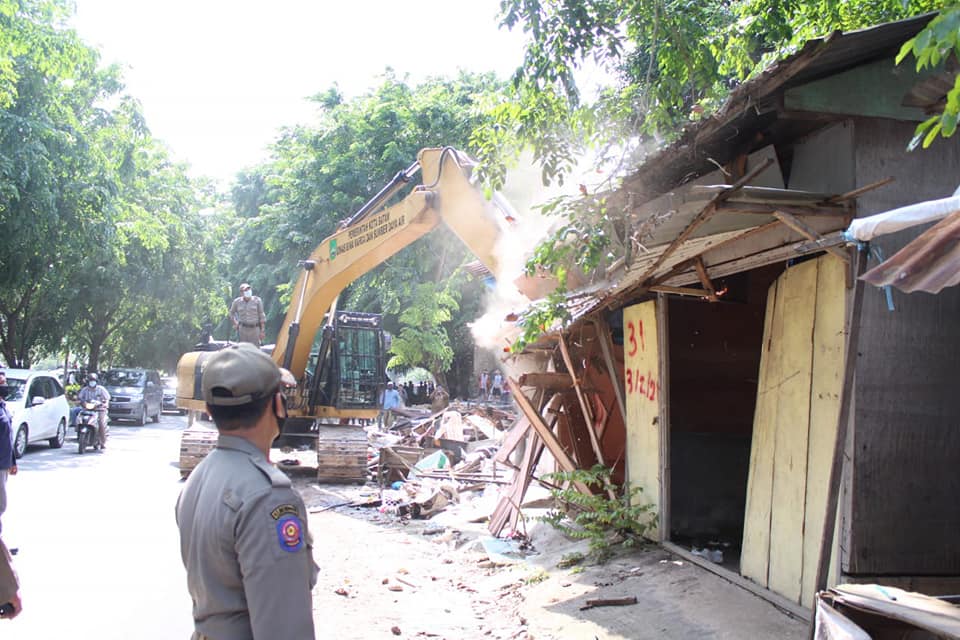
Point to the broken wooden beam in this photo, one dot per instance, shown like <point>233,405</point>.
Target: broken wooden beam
<point>705,214</point>
<point>584,407</point>
<point>801,227</point>
<point>553,380</point>
<point>550,440</point>
<point>705,279</point>
<point>609,602</point>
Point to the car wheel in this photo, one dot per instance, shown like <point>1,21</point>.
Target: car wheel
<point>20,442</point>
<point>142,420</point>
<point>57,441</point>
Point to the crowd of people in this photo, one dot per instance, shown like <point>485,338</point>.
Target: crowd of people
<point>490,386</point>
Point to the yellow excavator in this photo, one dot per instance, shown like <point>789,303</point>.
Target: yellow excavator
<point>340,383</point>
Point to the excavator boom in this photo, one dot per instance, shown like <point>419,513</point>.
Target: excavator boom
<point>373,235</point>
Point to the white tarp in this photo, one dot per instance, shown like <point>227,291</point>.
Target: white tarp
<point>865,229</point>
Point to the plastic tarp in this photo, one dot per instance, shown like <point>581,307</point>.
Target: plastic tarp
<point>866,229</point>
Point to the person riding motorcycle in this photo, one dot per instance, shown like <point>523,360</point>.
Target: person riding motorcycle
<point>93,392</point>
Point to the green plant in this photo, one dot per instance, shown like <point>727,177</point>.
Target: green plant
<point>537,577</point>
<point>603,521</point>
<point>568,560</point>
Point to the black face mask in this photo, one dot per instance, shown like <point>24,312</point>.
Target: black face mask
<point>281,419</point>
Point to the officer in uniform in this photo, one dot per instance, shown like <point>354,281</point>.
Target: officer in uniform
<point>243,530</point>
<point>246,314</point>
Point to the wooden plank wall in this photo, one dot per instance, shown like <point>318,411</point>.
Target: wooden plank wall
<point>905,507</point>
<point>642,388</point>
<point>794,427</point>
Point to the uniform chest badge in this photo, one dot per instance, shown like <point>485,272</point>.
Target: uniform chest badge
<point>290,533</point>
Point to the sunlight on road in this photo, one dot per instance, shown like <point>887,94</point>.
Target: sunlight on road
<point>98,546</point>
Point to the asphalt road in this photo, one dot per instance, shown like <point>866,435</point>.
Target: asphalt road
<point>98,546</point>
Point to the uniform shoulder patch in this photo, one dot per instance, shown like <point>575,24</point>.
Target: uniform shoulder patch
<point>290,533</point>
<point>284,510</point>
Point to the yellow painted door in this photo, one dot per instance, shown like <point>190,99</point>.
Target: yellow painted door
<point>794,428</point>
<point>643,393</point>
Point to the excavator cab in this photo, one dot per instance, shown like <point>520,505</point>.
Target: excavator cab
<point>349,370</point>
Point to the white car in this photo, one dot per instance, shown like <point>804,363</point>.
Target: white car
<point>39,409</point>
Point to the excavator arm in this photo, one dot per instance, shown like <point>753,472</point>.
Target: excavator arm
<point>376,233</point>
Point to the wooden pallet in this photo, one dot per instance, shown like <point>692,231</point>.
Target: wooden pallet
<point>195,443</point>
<point>341,454</point>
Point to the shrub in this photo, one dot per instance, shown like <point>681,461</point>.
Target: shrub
<point>604,521</point>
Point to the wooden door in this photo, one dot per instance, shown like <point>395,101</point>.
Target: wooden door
<point>794,427</point>
<point>642,385</point>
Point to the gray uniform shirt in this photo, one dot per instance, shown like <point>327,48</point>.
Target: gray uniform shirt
<point>245,544</point>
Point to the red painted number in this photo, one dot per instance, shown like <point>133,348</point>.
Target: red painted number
<point>633,329</point>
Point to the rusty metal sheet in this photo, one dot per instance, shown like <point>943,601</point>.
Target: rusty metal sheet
<point>929,263</point>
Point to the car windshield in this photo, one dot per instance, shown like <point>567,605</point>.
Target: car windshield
<point>123,378</point>
<point>170,383</point>
<point>16,387</point>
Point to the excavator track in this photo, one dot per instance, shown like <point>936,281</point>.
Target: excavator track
<point>341,454</point>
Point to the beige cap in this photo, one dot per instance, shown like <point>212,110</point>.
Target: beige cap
<point>239,374</point>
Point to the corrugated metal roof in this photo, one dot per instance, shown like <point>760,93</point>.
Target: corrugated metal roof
<point>929,263</point>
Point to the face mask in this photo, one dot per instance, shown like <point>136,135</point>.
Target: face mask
<point>248,294</point>
<point>281,419</point>
<point>92,383</point>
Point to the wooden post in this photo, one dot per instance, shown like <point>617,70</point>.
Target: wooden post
<point>843,421</point>
<point>549,439</point>
<point>616,376</point>
<point>584,407</point>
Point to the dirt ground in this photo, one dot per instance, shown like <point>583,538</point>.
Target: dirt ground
<point>381,576</point>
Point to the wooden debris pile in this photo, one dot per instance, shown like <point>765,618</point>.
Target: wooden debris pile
<point>426,461</point>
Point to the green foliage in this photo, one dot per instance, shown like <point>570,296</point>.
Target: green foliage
<point>931,48</point>
<point>546,314</point>
<point>569,560</point>
<point>668,63</point>
<point>104,245</point>
<point>603,521</point>
<point>423,340</point>
<point>322,174</point>
<point>536,577</point>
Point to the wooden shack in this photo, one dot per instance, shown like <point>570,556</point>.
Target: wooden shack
<point>711,367</point>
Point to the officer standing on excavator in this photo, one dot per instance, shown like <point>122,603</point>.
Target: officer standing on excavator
<point>246,314</point>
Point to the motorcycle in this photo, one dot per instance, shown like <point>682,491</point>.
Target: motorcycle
<point>87,425</point>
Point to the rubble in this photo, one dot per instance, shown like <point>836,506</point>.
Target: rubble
<point>426,460</point>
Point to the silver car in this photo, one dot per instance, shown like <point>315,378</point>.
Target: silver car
<point>135,394</point>
<point>39,409</point>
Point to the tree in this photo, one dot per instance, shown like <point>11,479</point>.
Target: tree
<point>322,174</point>
<point>932,47</point>
<point>671,62</point>
<point>52,194</point>
<point>104,243</point>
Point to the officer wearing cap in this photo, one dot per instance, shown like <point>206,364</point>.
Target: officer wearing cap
<point>246,314</point>
<point>243,530</point>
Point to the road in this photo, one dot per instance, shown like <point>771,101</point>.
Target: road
<point>98,545</point>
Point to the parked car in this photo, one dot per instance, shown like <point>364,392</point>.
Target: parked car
<point>135,394</point>
<point>39,409</point>
<point>170,395</point>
